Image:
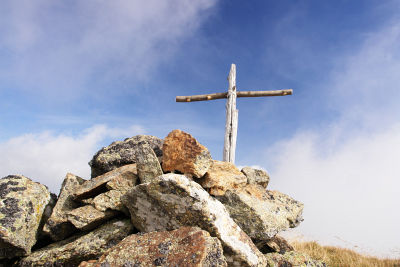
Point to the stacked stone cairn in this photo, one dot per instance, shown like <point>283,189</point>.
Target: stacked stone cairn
<point>150,202</point>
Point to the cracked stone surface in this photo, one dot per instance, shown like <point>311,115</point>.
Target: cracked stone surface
<point>183,153</point>
<point>172,201</point>
<point>22,204</point>
<point>260,213</point>
<point>74,250</point>
<point>186,246</point>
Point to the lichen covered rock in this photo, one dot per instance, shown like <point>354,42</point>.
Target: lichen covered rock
<point>256,176</point>
<point>262,214</point>
<point>148,166</point>
<point>22,203</point>
<point>222,176</point>
<point>74,250</point>
<point>121,153</point>
<point>183,153</point>
<point>292,258</point>
<point>110,200</point>
<point>172,201</point>
<point>102,183</point>
<point>88,217</point>
<point>186,246</point>
<point>58,226</point>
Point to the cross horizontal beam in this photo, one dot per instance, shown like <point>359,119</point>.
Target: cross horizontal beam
<point>238,93</point>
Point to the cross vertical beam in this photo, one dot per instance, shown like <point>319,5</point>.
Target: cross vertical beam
<point>231,124</point>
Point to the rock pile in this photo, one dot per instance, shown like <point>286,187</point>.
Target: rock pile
<point>150,202</point>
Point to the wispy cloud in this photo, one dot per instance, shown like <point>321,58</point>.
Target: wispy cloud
<point>346,171</point>
<point>46,157</point>
<point>58,48</point>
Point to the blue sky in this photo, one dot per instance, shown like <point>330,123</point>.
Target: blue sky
<point>77,75</point>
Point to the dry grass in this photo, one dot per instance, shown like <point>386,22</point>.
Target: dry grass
<point>335,256</point>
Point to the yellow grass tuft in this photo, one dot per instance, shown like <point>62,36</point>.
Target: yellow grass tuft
<point>335,256</point>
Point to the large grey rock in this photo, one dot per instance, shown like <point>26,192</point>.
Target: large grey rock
<point>172,201</point>
<point>88,217</point>
<point>22,203</point>
<point>123,176</point>
<point>74,250</point>
<point>256,176</point>
<point>186,246</point>
<point>58,226</point>
<point>121,153</point>
<point>260,213</point>
<point>148,166</point>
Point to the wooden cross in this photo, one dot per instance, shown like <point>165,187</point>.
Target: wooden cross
<point>231,111</point>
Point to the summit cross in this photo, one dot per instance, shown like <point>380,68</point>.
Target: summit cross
<point>231,111</point>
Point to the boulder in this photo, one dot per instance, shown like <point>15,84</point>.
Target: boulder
<point>172,201</point>
<point>186,246</point>
<point>148,166</point>
<point>182,152</point>
<point>262,214</point>
<point>22,204</point>
<point>222,176</point>
<point>292,258</point>
<point>57,226</point>
<point>88,217</point>
<point>256,176</point>
<point>121,153</point>
<point>100,184</point>
<point>74,250</point>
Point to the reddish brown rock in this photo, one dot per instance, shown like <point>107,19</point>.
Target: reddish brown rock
<point>222,176</point>
<point>183,153</point>
<point>100,183</point>
<point>186,246</point>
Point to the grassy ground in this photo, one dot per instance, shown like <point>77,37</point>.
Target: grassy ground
<point>335,256</point>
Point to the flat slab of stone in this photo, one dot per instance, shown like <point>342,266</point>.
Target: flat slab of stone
<point>148,166</point>
<point>88,217</point>
<point>172,201</point>
<point>183,153</point>
<point>110,200</point>
<point>222,176</point>
<point>74,250</point>
<point>22,203</point>
<point>121,153</point>
<point>57,226</point>
<point>186,246</point>
<point>260,213</point>
<point>256,176</point>
<point>98,184</point>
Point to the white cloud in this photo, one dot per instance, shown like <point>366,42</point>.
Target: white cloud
<point>347,171</point>
<point>46,157</point>
<point>59,47</point>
